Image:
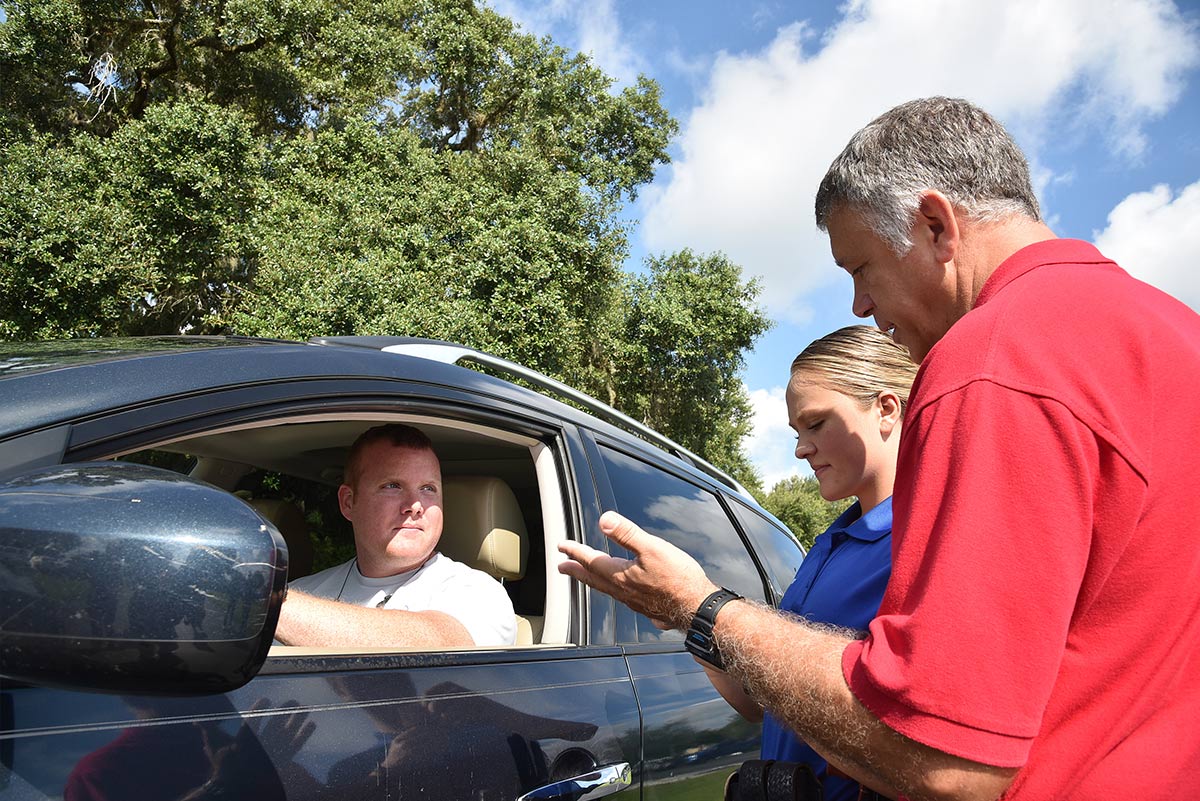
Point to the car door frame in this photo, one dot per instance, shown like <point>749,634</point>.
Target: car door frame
<point>672,687</point>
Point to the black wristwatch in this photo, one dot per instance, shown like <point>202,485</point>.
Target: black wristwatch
<point>699,639</point>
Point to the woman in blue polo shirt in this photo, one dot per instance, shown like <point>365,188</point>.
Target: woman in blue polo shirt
<point>845,399</point>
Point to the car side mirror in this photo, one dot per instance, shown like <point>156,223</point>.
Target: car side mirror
<point>125,578</point>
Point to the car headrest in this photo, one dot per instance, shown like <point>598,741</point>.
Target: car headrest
<point>483,526</point>
<point>291,524</point>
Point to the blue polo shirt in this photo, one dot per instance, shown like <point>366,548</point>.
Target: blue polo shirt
<point>841,582</point>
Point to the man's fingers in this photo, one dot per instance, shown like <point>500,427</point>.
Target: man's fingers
<point>576,571</point>
<point>583,554</point>
<point>590,566</point>
<point>621,530</point>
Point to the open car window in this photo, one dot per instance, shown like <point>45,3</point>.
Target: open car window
<point>290,470</point>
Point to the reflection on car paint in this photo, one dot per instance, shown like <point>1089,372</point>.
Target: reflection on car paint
<point>359,734</point>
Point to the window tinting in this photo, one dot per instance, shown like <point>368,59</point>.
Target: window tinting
<point>777,549</point>
<point>686,516</point>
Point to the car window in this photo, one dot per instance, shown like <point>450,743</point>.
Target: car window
<point>290,471</point>
<point>687,516</point>
<point>305,512</point>
<point>777,549</point>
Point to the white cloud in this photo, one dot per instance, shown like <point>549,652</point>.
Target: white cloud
<point>600,35</point>
<point>772,446</point>
<point>693,69</point>
<point>1156,237</point>
<point>753,151</point>
<point>592,28</point>
<point>763,13</point>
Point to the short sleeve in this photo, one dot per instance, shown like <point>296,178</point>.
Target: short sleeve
<point>479,602</point>
<point>993,522</point>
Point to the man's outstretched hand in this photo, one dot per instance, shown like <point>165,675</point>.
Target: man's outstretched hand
<point>661,582</point>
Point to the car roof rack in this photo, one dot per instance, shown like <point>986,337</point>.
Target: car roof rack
<point>451,353</point>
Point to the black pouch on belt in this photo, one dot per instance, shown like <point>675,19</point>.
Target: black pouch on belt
<point>768,780</point>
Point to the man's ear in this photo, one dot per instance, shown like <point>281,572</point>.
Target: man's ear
<point>889,412</point>
<point>346,501</point>
<point>938,225</point>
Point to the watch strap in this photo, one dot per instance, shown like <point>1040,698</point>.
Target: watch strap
<point>699,638</point>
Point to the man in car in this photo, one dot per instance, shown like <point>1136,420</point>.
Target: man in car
<point>398,591</point>
<point>1040,635</point>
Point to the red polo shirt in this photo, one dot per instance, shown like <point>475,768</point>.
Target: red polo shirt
<point>1044,605</point>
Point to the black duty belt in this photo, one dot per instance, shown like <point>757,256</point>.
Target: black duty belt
<point>770,780</point>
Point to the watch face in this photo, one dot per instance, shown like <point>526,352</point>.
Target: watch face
<point>699,640</point>
<point>702,647</point>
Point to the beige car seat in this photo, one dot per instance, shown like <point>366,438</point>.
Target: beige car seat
<point>484,528</point>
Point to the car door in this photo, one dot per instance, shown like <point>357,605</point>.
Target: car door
<point>463,725</point>
<point>693,739</point>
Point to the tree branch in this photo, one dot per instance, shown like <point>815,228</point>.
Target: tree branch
<point>168,36</point>
<point>215,42</point>
<point>479,122</point>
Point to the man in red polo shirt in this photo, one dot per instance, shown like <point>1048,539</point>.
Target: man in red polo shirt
<point>1040,636</point>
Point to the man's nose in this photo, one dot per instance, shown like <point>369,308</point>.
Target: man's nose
<point>863,306</point>
<point>804,448</point>
<point>412,503</point>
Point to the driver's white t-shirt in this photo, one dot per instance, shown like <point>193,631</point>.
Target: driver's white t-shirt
<point>470,596</point>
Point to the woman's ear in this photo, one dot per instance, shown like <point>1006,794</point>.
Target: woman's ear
<point>889,412</point>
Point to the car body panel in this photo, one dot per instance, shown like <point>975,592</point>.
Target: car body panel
<point>386,731</point>
<point>690,733</point>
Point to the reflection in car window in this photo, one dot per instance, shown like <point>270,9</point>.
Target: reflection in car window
<point>776,548</point>
<point>687,516</point>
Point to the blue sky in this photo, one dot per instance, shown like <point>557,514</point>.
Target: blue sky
<point>1103,95</point>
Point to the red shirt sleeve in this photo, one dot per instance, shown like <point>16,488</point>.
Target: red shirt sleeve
<point>991,540</point>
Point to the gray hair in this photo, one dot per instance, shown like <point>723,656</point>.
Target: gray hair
<point>939,143</point>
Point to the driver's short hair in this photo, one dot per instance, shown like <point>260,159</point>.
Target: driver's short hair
<point>397,434</point>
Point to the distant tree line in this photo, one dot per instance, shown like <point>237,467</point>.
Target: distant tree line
<point>293,168</point>
<point>797,502</point>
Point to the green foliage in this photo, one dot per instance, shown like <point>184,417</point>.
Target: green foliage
<point>370,232</point>
<point>688,324</point>
<point>797,502</point>
<point>329,549</point>
<point>474,84</point>
<point>331,534</point>
<point>137,233</point>
<point>407,167</point>
<point>94,66</point>
<point>59,270</point>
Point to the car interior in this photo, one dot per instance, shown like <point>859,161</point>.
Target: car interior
<point>502,503</point>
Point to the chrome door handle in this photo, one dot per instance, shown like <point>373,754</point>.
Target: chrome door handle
<point>597,784</point>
